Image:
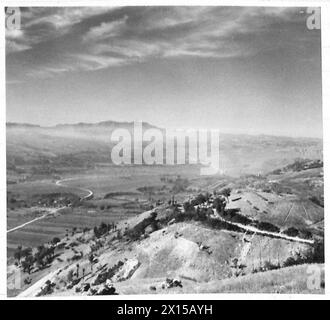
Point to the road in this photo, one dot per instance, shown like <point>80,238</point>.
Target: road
<point>52,211</point>
<point>263,232</point>
<point>27,223</point>
<point>62,184</point>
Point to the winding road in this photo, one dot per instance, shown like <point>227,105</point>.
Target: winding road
<point>86,197</point>
<point>52,211</point>
<point>90,194</point>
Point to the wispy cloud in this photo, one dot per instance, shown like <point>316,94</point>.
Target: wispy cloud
<point>93,38</point>
<point>43,24</point>
<point>106,30</point>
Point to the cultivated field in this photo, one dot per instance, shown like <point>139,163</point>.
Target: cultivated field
<point>118,194</point>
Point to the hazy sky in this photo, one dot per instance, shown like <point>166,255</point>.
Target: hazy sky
<point>242,70</point>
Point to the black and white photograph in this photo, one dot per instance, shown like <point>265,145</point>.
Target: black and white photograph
<point>163,150</point>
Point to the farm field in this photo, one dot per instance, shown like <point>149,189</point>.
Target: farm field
<point>118,194</point>
<point>129,179</point>
<point>45,230</point>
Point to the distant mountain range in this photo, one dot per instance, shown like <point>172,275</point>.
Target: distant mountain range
<point>81,143</point>
<point>102,124</point>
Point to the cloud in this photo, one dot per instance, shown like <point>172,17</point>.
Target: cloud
<point>96,62</point>
<point>15,40</point>
<point>61,18</point>
<point>87,38</point>
<point>106,30</point>
<point>14,46</point>
<point>187,31</point>
<point>44,24</point>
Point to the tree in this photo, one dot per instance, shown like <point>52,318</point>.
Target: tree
<point>201,214</point>
<point>91,260</point>
<point>18,253</point>
<point>26,252</point>
<point>318,251</point>
<point>27,264</point>
<point>188,207</point>
<point>77,266</point>
<point>56,240</point>
<point>292,232</point>
<point>199,199</point>
<point>225,192</point>
<point>44,255</point>
<point>219,204</point>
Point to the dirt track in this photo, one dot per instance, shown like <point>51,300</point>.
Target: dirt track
<point>263,232</point>
<point>54,210</point>
<point>89,192</point>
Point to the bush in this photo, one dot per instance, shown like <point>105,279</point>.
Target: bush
<point>314,255</point>
<point>225,192</point>
<point>102,229</point>
<point>27,264</point>
<point>188,207</point>
<point>47,289</point>
<point>270,266</point>
<point>268,227</point>
<point>56,240</point>
<point>305,234</point>
<point>199,200</point>
<point>292,232</point>
<point>136,232</point>
<point>219,204</point>
<point>235,216</point>
<point>317,201</point>
<point>317,255</point>
<point>44,256</point>
<point>18,253</point>
<point>108,274</point>
<point>291,261</point>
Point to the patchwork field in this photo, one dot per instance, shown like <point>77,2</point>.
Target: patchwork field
<point>119,193</point>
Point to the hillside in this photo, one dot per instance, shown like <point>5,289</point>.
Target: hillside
<point>172,249</point>
<point>142,267</point>
<point>79,225</point>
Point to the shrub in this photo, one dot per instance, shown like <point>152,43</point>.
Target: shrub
<point>47,289</point>
<point>292,232</point>
<point>219,204</point>
<point>108,274</point>
<point>55,240</point>
<point>317,201</point>
<point>101,230</point>
<point>18,253</point>
<point>270,266</point>
<point>268,227</point>
<point>199,200</point>
<point>225,192</point>
<point>136,232</point>
<point>27,264</point>
<point>289,262</point>
<point>305,234</point>
<point>188,207</point>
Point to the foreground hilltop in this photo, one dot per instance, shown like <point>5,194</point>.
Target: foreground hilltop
<point>268,237</point>
<point>194,258</point>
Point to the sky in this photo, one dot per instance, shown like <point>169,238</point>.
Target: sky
<point>247,70</point>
